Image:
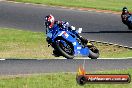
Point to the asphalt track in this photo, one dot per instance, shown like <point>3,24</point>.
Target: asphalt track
<point>96,26</point>
<point>15,67</point>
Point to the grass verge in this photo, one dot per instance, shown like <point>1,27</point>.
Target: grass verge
<point>23,44</point>
<point>57,80</point>
<point>115,5</point>
<point>15,43</point>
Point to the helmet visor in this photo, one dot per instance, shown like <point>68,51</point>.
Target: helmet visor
<point>47,23</point>
<point>125,10</point>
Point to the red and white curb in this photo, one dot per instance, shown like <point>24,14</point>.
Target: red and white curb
<point>2,59</point>
<point>2,0</point>
<point>71,8</point>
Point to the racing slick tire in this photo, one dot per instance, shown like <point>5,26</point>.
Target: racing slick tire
<point>60,47</point>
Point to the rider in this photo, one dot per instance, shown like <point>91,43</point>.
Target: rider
<point>51,24</point>
<point>125,15</point>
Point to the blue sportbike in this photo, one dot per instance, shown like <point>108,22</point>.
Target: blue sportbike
<point>67,43</point>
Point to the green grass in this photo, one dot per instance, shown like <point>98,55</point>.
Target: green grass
<point>57,80</point>
<point>23,44</point>
<point>113,51</point>
<point>15,43</point>
<point>115,5</point>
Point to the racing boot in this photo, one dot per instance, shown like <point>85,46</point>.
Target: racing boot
<point>86,42</point>
<point>89,44</point>
<point>83,40</point>
<point>92,47</point>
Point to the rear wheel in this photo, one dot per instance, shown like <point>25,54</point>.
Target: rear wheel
<point>65,48</point>
<point>130,26</point>
<point>93,52</point>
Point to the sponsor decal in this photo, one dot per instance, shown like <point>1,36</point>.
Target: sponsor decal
<point>78,47</point>
<point>61,33</point>
<point>66,35</point>
<point>74,43</point>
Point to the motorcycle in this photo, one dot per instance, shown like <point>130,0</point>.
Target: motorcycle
<point>67,44</point>
<point>129,21</point>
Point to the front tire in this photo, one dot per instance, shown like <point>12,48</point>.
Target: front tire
<point>55,53</point>
<point>66,51</point>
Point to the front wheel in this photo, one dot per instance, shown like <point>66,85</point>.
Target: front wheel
<point>65,48</point>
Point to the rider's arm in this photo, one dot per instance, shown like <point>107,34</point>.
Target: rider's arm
<point>124,19</point>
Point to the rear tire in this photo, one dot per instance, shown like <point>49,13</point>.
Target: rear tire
<point>130,26</point>
<point>93,53</point>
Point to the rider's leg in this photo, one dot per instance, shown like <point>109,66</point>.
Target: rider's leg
<point>86,42</point>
